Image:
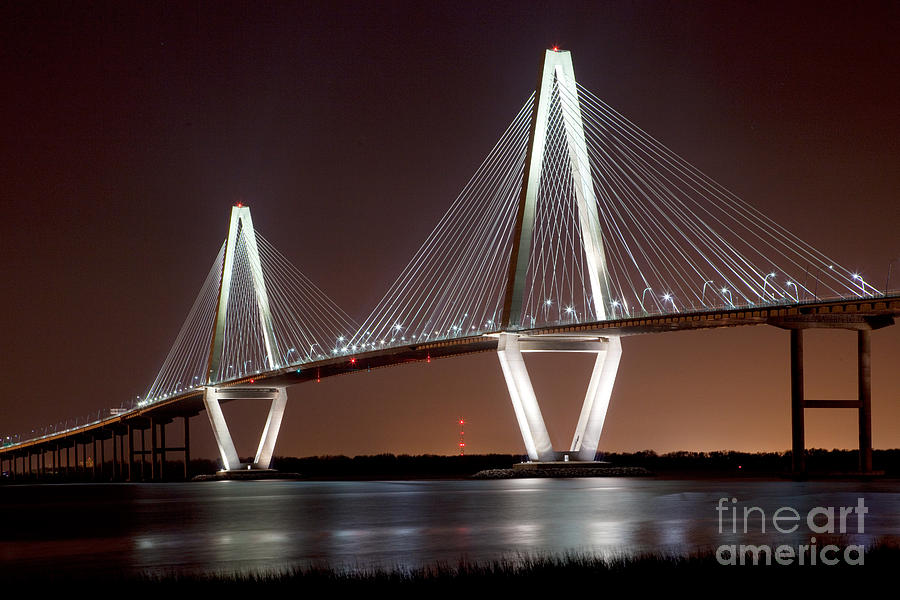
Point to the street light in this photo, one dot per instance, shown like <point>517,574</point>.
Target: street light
<point>614,304</point>
<point>727,291</point>
<point>862,283</point>
<point>796,291</point>
<point>765,280</point>
<point>668,297</point>
<point>646,289</point>
<point>703,295</point>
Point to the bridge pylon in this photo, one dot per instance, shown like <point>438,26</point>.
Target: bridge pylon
<point>240,230</point>
<point>557,75</point>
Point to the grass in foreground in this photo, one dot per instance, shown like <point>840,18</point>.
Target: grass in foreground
<point>526,574</point>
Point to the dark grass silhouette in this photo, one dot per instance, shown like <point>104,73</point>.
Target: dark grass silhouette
<point>525,574</point>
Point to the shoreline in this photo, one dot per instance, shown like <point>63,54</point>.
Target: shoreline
<point>833,465</point>
<point>495,475</point>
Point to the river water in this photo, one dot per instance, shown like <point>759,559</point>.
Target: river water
<point>242,526</point>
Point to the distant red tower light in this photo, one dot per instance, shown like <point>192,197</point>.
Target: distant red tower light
<point>239,204</point>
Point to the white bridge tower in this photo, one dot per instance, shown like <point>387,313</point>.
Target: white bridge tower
<point>217,390</point>
<point>557,74</point>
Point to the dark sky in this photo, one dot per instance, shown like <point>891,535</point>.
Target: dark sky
<point>129,129</point>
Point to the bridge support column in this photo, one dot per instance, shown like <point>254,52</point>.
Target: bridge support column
<point>798,442</point>
<point>864,350</point>
<point>525,404</point>
<point>187,448</point>
<point>120,447</point>
<point>102,460</point>
<point>130,471</point>
<point>154,451</point>
<point>862,403</point>
<point>596,401</point>
<point>162,451</point>
<point>123,468</point>
<point>143,454</point>
<point>227,450</point>
<point>263,458</point>
<point>115,457</point>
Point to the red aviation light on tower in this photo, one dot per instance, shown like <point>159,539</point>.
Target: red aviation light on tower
<point>555,48</point>
<point>240,204</point>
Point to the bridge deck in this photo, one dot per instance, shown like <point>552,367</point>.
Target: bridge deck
<point>855,314</point>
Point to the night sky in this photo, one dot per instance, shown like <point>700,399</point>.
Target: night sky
<point>129,129</point>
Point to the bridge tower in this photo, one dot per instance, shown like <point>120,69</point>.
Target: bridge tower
<point>241,228</point>
<point>557,74</point>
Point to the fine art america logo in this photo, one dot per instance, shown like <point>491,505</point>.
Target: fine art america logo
<point>786,520</point>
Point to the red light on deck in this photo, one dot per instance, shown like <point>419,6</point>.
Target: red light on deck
<point>556,48</point>
<point>239,204</point>
<point>252,381</point>
<point>428,359</point>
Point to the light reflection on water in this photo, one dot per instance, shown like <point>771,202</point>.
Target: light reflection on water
<point>271,525</point>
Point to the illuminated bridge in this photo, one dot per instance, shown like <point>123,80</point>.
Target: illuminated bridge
<point>578,229</point>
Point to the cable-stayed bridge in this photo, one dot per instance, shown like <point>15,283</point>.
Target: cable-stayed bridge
<point>578,229</point>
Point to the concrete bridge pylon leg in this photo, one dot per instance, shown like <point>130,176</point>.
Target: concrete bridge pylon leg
<point>596,401</point>
<point>269,436</point>
<point>525,404</point>
<point>227,450</point>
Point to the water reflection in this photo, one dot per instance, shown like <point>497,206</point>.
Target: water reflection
<point>247,526</point>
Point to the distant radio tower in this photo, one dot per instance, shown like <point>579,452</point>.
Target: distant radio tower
<point>462,439</point>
